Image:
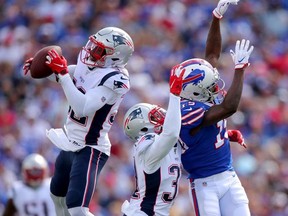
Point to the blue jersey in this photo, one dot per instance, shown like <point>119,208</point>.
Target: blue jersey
<point>208,151</point>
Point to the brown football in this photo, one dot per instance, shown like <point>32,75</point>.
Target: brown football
<point>38,68</point>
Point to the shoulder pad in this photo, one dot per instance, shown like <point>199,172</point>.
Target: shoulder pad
<point>144,142</point>
<point>147,137</point>
<point>192,113</point>
<point>116,81</point>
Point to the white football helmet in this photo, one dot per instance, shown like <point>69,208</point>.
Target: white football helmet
<point>34,170</point>
<point>201,82</point>
<point>109,47</point>
<point>143,118</point>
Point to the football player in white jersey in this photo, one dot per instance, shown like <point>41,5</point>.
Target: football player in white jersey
<point>94,89</point>
<point>157,156</point>
<point>30,196</point>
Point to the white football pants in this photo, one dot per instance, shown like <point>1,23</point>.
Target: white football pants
<point>219,195</point>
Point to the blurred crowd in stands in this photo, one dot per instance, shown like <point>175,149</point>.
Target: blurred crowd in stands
<point>165,32</point>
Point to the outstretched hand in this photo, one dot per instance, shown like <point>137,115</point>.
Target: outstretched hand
<point>176,80</point>
<point>241,54</point>
<point>27,65</point>
<point>57,63</point>
<point>236,136</point>
<point>222,7</point>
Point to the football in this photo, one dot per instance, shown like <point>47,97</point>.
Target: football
<point>38,68</point>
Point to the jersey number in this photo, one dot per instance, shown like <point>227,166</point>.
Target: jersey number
<point>33,209</point>
<point>220,136</point>
<point>168,197</point>
<point>82,121</point>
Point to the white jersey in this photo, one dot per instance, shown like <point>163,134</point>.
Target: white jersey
<point>155,191</point>
<point>93,129</point>
<point>32,201</point>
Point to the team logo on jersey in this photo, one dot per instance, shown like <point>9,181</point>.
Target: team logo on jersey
<point>118,84</point>
<point>103,99</point>
<point>194,77</point>
<point>147,137</point>
<point>120,40</point>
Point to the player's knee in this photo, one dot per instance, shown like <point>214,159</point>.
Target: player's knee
<point>80,211</point>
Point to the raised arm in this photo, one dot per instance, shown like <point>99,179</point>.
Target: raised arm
<point>172,124</point>
<point>230,104</point>
<point>214,39</point>
<point>213,43</point>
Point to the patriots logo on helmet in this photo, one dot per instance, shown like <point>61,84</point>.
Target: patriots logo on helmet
<point>137,113</point>
<point>118,84</point>
<point>120,40</point>
<point>194,77</point>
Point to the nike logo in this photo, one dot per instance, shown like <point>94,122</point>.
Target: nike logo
<point>188,109</point>
<point>123,78</point>
<point>241,59</point>
<point>59,65</point>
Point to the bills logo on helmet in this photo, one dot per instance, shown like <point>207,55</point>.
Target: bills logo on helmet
<point>194,77</point>
<point>118,84</point>
<point>120,40</point>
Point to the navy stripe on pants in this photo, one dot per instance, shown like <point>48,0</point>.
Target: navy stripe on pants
<point>86,166</point>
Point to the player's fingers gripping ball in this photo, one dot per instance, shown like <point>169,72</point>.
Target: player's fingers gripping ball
<point>57,63</point>
<point>27,66</point>
<point>176,80</point>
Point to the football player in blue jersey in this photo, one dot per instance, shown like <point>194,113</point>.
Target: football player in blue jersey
<point>215,187</point>
<point>94,88</point>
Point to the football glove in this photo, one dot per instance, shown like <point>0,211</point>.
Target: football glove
<point>27,65</point>
<point>236,136</point>
<point>222,7</point>
<point>242,53</point>
<point>57,63</point>
<point>176,80</point>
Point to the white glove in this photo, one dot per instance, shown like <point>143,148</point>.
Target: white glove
<point>241,54</point>
<point>222,7</point>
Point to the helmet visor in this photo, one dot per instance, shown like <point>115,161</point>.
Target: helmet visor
<point>217,92</point>
<point>95,52</point>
